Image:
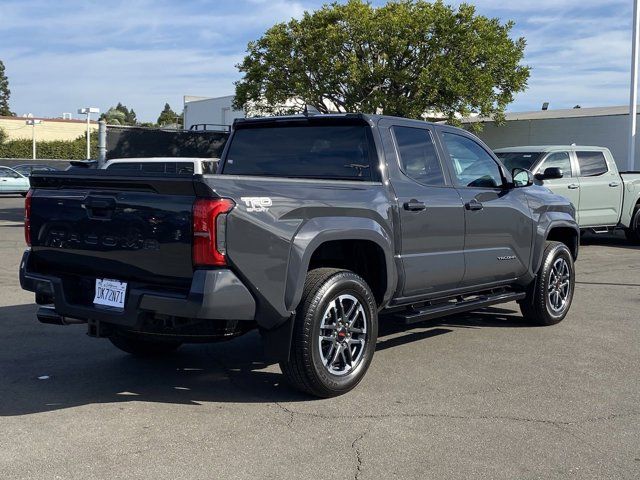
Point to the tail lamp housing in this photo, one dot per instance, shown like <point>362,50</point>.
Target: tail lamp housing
<point>209,231</point>
<point>27,218</point>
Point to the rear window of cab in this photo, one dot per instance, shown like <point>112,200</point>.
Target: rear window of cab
<point>331,152</point>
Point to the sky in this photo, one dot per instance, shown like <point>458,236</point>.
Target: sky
<point>63,55</point>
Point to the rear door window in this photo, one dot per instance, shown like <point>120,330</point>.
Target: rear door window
<point>560,160</point>
<point>331,152</point>
<point>592,164</point>
<point>418,156</point>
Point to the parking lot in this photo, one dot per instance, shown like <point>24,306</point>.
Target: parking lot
<point>480,395</point>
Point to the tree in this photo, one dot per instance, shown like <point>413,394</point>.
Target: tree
<point>168,116</point>
<point>3,136</point>
<point>5,93</point>
<point>407,58</point>
<point>120,115</point>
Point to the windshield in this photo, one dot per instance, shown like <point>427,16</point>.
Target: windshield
<point>524,160</point>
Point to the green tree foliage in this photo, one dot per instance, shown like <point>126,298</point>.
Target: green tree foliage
<point>5,93</point>
<point>3,135</point>
<point>407,58</point>
<point>55,149</point>
<point>168,116</point>
<point>120,115</point>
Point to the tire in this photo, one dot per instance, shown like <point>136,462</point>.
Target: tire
<point>548,302</point>
<point>633,232</point>
<point>332,348</point>
<point>143,347</point>
<point>23,194</point>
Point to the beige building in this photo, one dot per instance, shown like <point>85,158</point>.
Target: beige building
<point>50,128</point>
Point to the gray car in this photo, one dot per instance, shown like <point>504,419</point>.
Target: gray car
<point>313,229</point>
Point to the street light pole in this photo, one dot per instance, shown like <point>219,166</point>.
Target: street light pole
<point>33,124</point>
<point>88,111</point>
<point>633,97</point>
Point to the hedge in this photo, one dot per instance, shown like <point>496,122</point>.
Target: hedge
<point>54,149</point>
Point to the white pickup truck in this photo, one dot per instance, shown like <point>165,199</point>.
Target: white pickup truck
<point>588,176</point>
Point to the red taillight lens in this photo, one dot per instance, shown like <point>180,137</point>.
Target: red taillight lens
<point>27,218</point>
<point>209,231</point>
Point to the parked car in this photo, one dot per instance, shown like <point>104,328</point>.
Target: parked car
<point>169,165</point>
<point>588,176</point>
<point>25,169</point>
<point>314,226</point>
<point>13,182</point>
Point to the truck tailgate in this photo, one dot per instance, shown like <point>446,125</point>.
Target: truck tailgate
<point>100,225</point>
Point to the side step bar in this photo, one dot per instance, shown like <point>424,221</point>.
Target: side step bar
<point>429,312</point>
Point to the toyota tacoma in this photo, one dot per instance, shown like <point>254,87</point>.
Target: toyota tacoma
<point>313,228</point>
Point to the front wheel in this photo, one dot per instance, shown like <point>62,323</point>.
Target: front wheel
<point>334,335</point>
<point>549,296</point>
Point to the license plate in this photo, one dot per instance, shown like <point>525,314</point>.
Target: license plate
<point>110,293</point>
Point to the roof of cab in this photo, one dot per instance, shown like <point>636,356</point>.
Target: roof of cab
<point>320,117</point>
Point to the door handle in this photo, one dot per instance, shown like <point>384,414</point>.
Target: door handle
<point>473,205</point>
<point>414,206</point>
<point>573,186</point>
<point>614,184</point>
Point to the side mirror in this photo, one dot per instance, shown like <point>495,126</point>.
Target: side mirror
<point>550,173</point>
<point>521,177</point>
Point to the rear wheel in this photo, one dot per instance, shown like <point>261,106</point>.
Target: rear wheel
<point>143,347</point>
<point>334,336</point>
<point>549,296</point>
<point>633,232</point>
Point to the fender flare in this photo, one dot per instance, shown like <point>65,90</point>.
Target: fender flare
<point>539,247</point>
<point>319,230</point>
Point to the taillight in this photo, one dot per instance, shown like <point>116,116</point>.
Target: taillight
<point>27,218</point>
<point>209,231</point>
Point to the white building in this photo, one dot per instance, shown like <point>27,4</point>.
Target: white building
<point>206,113</point>
<point>600,126</point>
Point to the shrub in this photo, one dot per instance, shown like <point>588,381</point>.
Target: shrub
<point>54,149</point>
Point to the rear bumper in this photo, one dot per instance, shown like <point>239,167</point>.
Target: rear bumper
<point>214,295</point>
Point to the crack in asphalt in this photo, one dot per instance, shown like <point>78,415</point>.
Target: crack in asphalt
<point>354,447</point>
<point>289,412</point>
<point>608,284</point>
<point>453,417</point>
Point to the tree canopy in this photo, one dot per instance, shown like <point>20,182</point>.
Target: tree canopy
<point>120,115</point>
<point>5,93</point>
<point>168,116</point>
<point>409,58</point>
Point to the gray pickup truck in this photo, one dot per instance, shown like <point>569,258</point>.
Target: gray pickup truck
<point>312,228</point>
<point>588,176</point>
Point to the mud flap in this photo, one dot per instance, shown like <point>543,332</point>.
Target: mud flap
<point>277,341</point>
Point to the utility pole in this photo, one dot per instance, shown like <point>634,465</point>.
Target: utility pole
<point>102,143</point>
<point>88,111</point>
<point>633,97</point>
<point>33,122</point>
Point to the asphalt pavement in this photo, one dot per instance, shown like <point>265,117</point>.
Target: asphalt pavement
<point>475,396</point>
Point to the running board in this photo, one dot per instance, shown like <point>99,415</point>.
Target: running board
<point>456,306</point>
